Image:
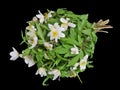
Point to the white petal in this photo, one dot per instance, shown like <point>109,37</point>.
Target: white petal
<point>14,54</point>
<point>41,71</point>
<point>74,50</point>
<point>38,16</point>
<point>29,61</point>
<point>56,25</point>
<point>67,19</point>
<point>37,72</point>
<point>56,40</point>
<point>48,45</point>
<point>71,25</point>
<point>50,26</point>
<point>83,62</point>
<point>35,39</point>
<point>63,20</point>
<point>55,72</point>
<point>62,35</point>
<point>56,75</point>
<point>75,66</point>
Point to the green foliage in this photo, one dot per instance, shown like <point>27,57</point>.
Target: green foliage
<point>59,55</point>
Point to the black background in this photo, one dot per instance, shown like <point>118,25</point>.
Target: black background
<point>16,75</point>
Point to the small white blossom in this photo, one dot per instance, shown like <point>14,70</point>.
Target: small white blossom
<point>56,32</point>
<point>31,28</point>
<point>31,33</point>
<point>41,71</point>
<point>72,73</point>
<point>34,19</point>
<point>33,41</point>
<point>28,60</point>
<point>48,45</point>
<point>48,15</point>
<point>14,54</point>
<point>75,66</point>
<point>83,63</point>
<point>55,72</point>
<point>41,17</point>
<point>74,50</point>
<point>65,23</point>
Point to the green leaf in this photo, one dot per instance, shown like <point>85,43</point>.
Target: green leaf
<point>80,40</point>
<point>44,27</point>
<point>39,56</point>
<point>67,46</point>
<point>39,59</point>
<point>65,74</point>
<point>69,41</point>
<point>83,23</point>
<point>53,20</point>
<point>83,17</point>
<point>61,50</point>
<point>57,61</point>
<point>74,60</point>
<point>39,32</point>
<point>62,58</point>
<point>68,55</point>
<point>70,13</point>
<point>73,34</point>
<point>40,42</point>
<point>87,31</point>
<point>81,54</point>
<point>25,52</point>
<point>94,36</point>
<point>61,11</point>
<point>51,55</point>
<point>34,51</point>
<point>89,25</point>
<point>79,26</point>
<point>90,66</point>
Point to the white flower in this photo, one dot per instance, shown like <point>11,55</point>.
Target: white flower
<point>41,17</point>
<point>33,41</point>
<point>48,45</point>
<point>28,60</point>
<point>75,66</point>
<point>48,15</point>
<point>56,32</point>
<point>55,72</point>
<point>72,73</point>
<point>31,28</point>
<point>14,54</point>
<point>41,71</point>
<point>74,50</point>
<point>83,63</point>
<point>31,33</point>
<point>34,19</point>
<point>65,23</point>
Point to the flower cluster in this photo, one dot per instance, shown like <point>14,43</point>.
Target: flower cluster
<point>59,43</point>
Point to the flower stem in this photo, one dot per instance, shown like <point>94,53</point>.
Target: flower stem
<point>44,82</point>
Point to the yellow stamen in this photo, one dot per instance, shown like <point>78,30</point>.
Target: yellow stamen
<point>64,24</point>
<point>55,33</point>
<point>83,63</point>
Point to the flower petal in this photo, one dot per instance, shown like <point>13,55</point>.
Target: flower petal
<point>71,25</point>
<point>14,54</point>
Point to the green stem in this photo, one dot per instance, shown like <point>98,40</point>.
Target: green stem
<point>40,34</point>
<point>44,82</point>
<point>79,78</point>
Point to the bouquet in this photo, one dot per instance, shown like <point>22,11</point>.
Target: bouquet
<point>60,43</point>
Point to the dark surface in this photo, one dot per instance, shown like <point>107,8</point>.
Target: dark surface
<point>16,75</point>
